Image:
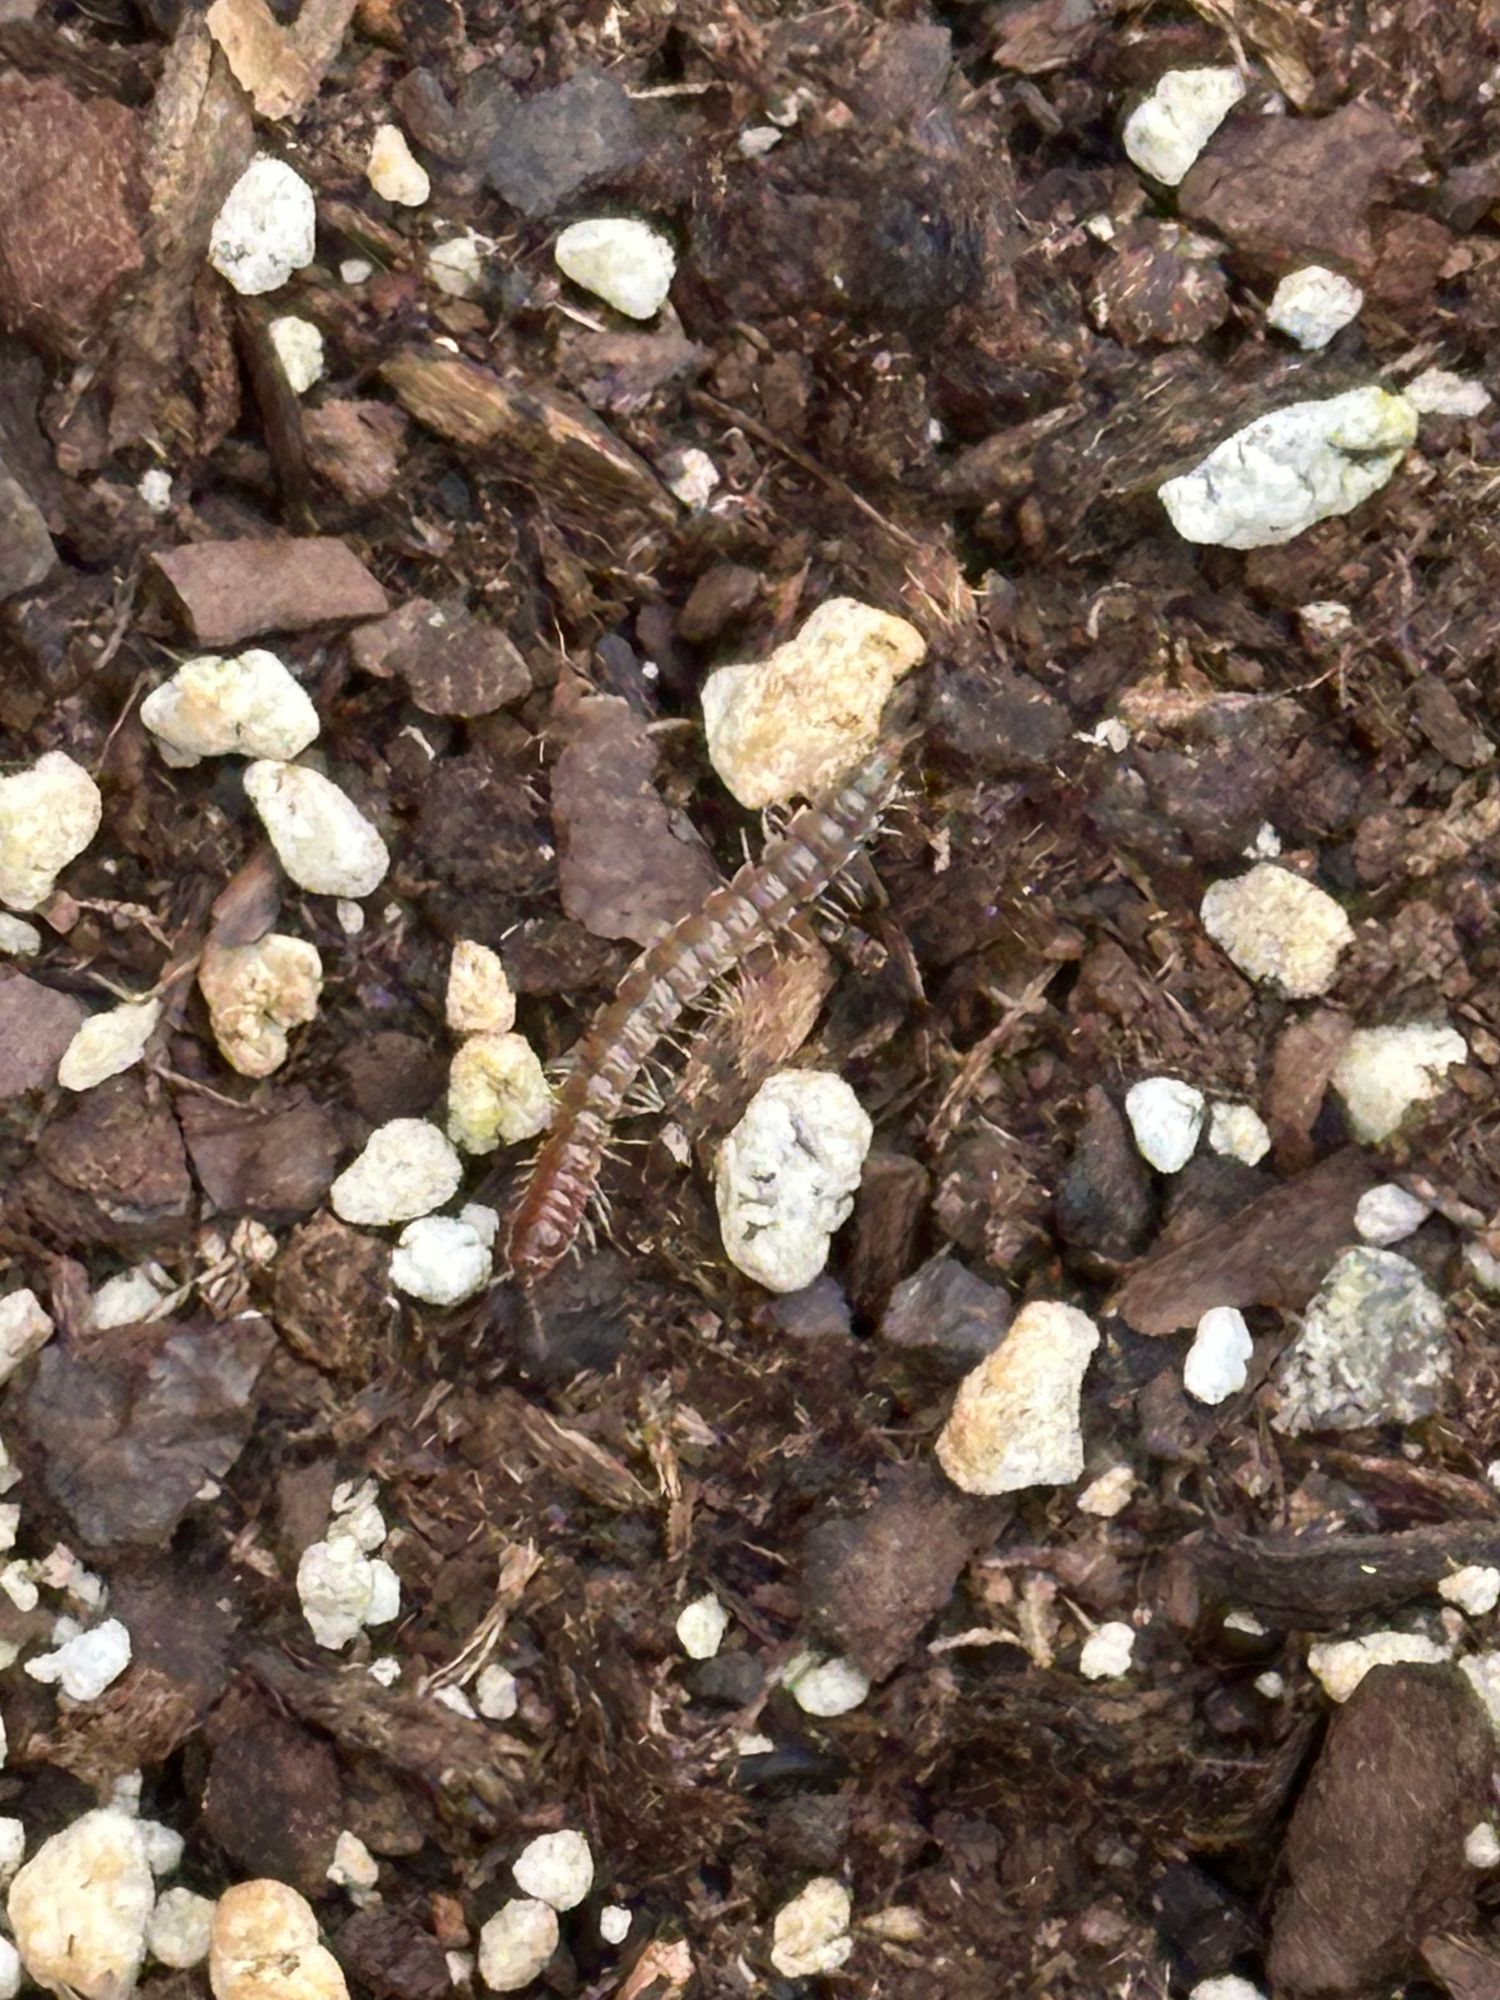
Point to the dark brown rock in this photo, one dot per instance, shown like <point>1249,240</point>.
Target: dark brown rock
<point>1104,1204</point>
<point>945,1319</point>
<point>888,1215</point>
<point>562,140</point>
<point>451,662</point>
<point>1307,1053</point>
<point>224,592</point>
<point>1374,1855</point>
<point>329,1299</point>
<point>273,1801</point>
<point>391,1075</point>
<point>111,1171</point>
<point>997,721</point>
<point>1161,282</point>
<point>355,446</point>
<point>620,373</point>
<point>36,1025</point>
<point>720,597</point>
<point>274,1160</point>
<point>392,1957</point>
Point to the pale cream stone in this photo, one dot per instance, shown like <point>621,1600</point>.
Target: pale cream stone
<point>1383,1072</point>
<point>393,172</point>
<point>516,1943</point>
<point>1311,305</point>
<point>479,1000</point>
<point>621,260</point>
<point>79,1908</point>
<point>1106,1652</point>
<point>25,1328</point>
<point>442,1260</point>
<point>255,992</point>
<point>266,229</point>
<point>108,1044</point>
<point>321,838</point>
<point>701,1626</point>
<point>1339,1665</point>
<point>1015,1420</point>
<point>181,1929</point>
<point>810,1934</point>
<point>787,1175</point>
<point>299,348</point>
<point>556,1868</point>
<point>1276,926</point>
<point>497,1093</point>
<point>265,1947</point>
<point>407,1169</point>
<point>1169,129</point>
<point>48,816</point>
<point>825,1687</point>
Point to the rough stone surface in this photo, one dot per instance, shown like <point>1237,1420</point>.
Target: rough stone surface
<point>1388,1214</point>
<point>810,1934</point>
<point>36,1026</point>
<point>299,349</point>
<point>824,1687</point>
<point>407,1169</point>
<point>342,1589</point>
<point>1311,305</point>
<point>1384,1072</point>
<point>701,1626</point>
<point>796,722</point>
<point>1276,926</point>
<point>264,1946</point>
<point>1106,1653</point>
<point>556,1868</point>
<point>1239,1132</point>
<point>498,1093</point>
<point>24,1329</point>
<point>479,1000</point>
<point>623,261</point>
<point>321,838</point>
<point>83,1666</point>
<point>181,1929</point>
<point>1167,131</point>
<point>441,1259</point>
<point>107,1044</point>
<point>249,706</point>
<point>1166,1117</point>
<point>266,228</point>
<point>1016,1419</point>
<point>1373,1349</point>
<point>394,172</point>
<point>516,1943</point>
<point>225,592</point>
<point>451,662</point>
<point>561,140</point>
<point>255,992</point>
<point>26,551</point>
<point>79,1907</point>
<point>48,816</point>
<point>1218,1360</point>
<point>787,1176</point>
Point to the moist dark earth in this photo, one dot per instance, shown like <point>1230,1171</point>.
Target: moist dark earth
<point>940,343</point>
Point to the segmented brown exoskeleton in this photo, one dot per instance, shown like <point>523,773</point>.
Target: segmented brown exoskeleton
<point>668,977</point>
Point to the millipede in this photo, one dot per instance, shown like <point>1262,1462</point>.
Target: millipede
<point>670,975</point>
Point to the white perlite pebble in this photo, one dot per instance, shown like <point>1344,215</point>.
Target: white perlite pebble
<point>165,1846</point>
<point>1015,1420</point>
<point>353,1865</point>
<point>1166,1117</point>
<point>614,1923</point>
<point>84,1666</point>
<point>457,266</point>
<point>1437,392</point>
<point>264,1946</point>
<point>810,1934</point>
<point>1339,1665</point>
<point>155,488</point>
<point>441,1260</point>
<point>1292,468</point>
<point>1274,925</point>
<point>12,1847</point>
<point>1482,1846</point>
<point>497,1093</point>
<point>1169,129</point>
<point>556,1868</point>
<point>1373,1349</point>
<point>479,1000</point>
<point>181,1929</point>
<point>393,173</point>
<point>516,1943</point>
<point>80,1906</point>
<point>1311,305</point>
<point>1228,1986</point>
<point>299,349</point>
<point>691,476</point>
<point>626,263</point>
<point>1475,1589</point>
<point>249,706</point>
<point>496,1694</point>
<point>25,1328</point>
<point>1218,1360</point>
<point>342,1590</point>
<point>21,939</point>
<point>11,1970</point>
<point>1270,1686</point>
<point>321,838</point>
<point>407,1169</point>
<point>824,1687</point>
<point>1106,1652</point>
<point>266,228</point>
<point>1383,1072</point>
<point>793,724</point>
<point>255,992</point>
<point>1238,1132</point>
<point>701,1626</point>
<point>108,1044</point>
<point>787,1174</point>
<point>1109,1494</point>
<point>1387,1214</point>
<point>1482,1672</point>
<point>48,816</point>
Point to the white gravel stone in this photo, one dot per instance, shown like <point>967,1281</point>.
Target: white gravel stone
<point>479,1000</point>
<point>1166,1117</point>
<point>691,476</point>
<point>1015,1420</point>
<point>321,838</point>
<point>1482,1846</point>
<point>1275,926</point>
<point>498,1093</point>
<point>165,1846</point>
<point>824,1687</point>
<point>353,1865</point>
<point>407,1169</point>
<point>1339,1665</point>
<point>701,1626</point>
<point>796,722</point>
<point>85,1665</point>
<point>155,488</point>
<point>556,1868</point>
<point>181,1929</point>
<point>614,1923</point>
<point>1383,1072</point>
<point>1109,1494</point>
<point>20,939</point>
<point>108,1044</point>
<point>1475,1589</point>
<point>1388,1214</point>
<point>266,228</point>
<point>25,1328</point>
<point>787,1175</point>
<point>1218,1361</point>
<point>1311,305</point>
<point>255,992</point>
<point>393,172</point>
<point>1482,1671</point>
<point>1106,1652</point>
<point>497,1694</point>
<point>441,1260</point>
<point>1291,468</point>
<point>1169,129</point>
<point>457,266</point>
<point>516,1943</point>
<point>264,1946</point>
<point>1437,392</point>
<point>623,261</point>
<point>810,1934</point>
<point>1373,1349</point>
<point>79,1908</point>
<point>342,1590</point>
<point>1227,1986</point>
<point>12,1847</point>
<point>1238,1132</point>
<point>129,1297</point>
<point>11,1970</point>
<point>299,348</point>
<point>48,816</point>
<point>1270,1686</point>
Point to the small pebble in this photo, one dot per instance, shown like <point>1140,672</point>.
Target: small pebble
<point>407,1169</point>
<point>1270,1685</point>
<point>353,1865</point>
<point>1166,1117</point>
<point>625,262</point>
<point>1311,305</point>
<point>1218,1362</point>
<point>299,348</point>
<point>48,816</point>
<point>1275,926</point>
<point>691,476</point>
<point>1238,1132</point>
<point>108,1044</point>
<point>1339,1665</point>
<point>755,141</point>
<point>266,229</point>
<point>1016,1418</point>
<point>498,1093</point>
<point>1246,1622</point>
<point>1383,1072</point>
<point>1168,130</point>
<point>1482,1672</point>
<point>1106,1652</point>
<point>25,1329</point>
<point>79,1908</point>
<point>442,1260</point>
<point>787,1175</point>
<point>181,1929</point>
<point>12,1847</point>
<point>342,1590</point>
<point>85,1665</point>
<point>264,1946</point>
<point>825,1687</point>
<point>614,1923</point>
<point>556,1868</point>
<point>321,838</point>
<point>1387,1214</point>
<point>1482,1846</point>
<point>255,993</point>
<point>457,266</point>
<point>249,706</point>
<point>701,1626</point>
<point>1109,1494</point>
<point>1372,1348</point>
<point>356,270</point>
<point>497,1695</point>
<point>810,1934</point>
<point>393,172</point>
<point>516,1943</point>
<point>155,489</point>
<point>19,938</point>
<point>1228,1986</point>
<point>1475,1589</point>
<point>1436,392</point>
<point>479,1000</point>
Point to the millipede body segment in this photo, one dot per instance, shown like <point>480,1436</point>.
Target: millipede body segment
<point>669,976</point>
